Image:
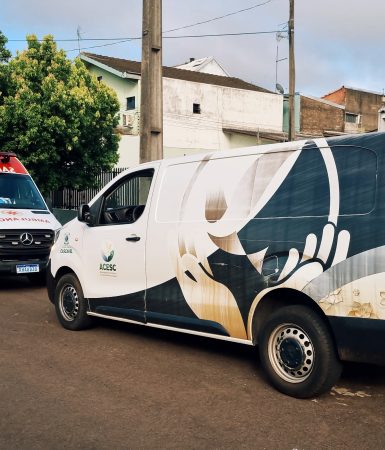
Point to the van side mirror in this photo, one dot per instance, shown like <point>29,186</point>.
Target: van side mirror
<point>84,215</point>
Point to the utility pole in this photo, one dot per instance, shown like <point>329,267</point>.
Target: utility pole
<point>291,74</point>
<point>151,103</point>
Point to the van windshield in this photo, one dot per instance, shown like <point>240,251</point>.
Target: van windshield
<point>19,192</point>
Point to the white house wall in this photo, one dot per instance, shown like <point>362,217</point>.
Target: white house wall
<point>220,106</point>
<point>187,133</point>
<point>252,110</point>
<point>128,151</point>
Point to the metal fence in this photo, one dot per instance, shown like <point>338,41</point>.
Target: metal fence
<point>68,198</point>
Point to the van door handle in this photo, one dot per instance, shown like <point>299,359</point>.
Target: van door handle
<point>133,238</point>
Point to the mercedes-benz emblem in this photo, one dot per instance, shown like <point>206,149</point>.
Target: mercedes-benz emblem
<point>26,238</point>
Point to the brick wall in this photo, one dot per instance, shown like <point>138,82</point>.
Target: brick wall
<point>367,105</point>
<point>316,117</point>
<point>338,96</point>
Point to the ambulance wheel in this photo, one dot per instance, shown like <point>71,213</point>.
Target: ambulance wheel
<point>298,353</point>
<point>70,305</point>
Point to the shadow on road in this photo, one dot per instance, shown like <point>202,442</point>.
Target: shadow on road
<point>8,283</point>
<point>182,340</point>
<point>361,375</point>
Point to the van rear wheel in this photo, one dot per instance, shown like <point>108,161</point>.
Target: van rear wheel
<point>70,305</point>
<point>298,352</point>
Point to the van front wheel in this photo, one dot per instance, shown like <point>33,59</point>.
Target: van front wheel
<point>298,352</point>
<point>70,305</point>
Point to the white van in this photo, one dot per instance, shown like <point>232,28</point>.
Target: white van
<point>281,246</point>
<point>27,227</point>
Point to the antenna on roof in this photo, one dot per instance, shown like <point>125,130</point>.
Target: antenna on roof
<point>79,36</point>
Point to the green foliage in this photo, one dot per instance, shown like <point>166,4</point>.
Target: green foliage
<point>5,55</point>
<point>58,118</point>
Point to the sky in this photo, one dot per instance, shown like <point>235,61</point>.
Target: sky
<point>337,42</point>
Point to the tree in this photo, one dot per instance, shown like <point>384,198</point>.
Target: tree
<point>58,118</point>
<point>5,55</point>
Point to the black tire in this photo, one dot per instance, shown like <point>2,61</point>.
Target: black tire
<point>71,307</point>
<point>298,353</point>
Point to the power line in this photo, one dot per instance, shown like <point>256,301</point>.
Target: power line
<point>101,45</point>
<point>220,34</point>
<point>75,39</point>
<point>219,17</point>
<point>125,39</point>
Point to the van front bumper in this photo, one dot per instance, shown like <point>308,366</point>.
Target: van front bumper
<point>9,267</point>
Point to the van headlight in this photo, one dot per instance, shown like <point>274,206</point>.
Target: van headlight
<point>56,236</point>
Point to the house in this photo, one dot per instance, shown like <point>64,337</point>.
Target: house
<point>314,117</point>
<point>204,65</point>
<point>201,111</point>
<point>361,108</point>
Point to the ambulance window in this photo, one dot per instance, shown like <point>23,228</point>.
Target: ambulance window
<point>126,201</point>
<point>19,192</point>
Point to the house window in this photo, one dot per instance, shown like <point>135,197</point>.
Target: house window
<point>99,78</point>
<point>196,108</point>
<point>130,103</point>
<point>352,118</point>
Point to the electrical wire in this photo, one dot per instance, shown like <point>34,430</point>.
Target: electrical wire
<point>251,33</point>
<point>124,40</point>
<point>220,17</point>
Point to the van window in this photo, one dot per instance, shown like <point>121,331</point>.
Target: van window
<point>19,192</point>
<point>357,171</point>
<point>305,192</point>
<point>225,189</point>
<point>238,183</point>
<point>126,201</point>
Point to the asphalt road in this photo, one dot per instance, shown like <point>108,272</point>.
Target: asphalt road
<point>120,386</point>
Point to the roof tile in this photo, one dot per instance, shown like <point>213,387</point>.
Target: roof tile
<point>134,67</point>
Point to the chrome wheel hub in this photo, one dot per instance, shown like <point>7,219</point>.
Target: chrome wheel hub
<point>69,302</point>
<point>291,353</point>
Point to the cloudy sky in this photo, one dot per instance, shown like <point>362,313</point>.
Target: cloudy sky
<point>337,42</point>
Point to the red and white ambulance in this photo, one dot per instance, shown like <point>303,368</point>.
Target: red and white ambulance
<point>27,226</point>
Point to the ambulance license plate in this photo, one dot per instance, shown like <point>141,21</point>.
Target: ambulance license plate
<point>27,268</point>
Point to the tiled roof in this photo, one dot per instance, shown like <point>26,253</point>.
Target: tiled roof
<point>322,100</point>
<point>134,67</point>
<point>350,88</point>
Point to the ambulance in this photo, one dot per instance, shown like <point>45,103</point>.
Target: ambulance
<point>27,226</point>
<point>279,246</point>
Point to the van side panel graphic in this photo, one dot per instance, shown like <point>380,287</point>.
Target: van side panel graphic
<point>310,219</point>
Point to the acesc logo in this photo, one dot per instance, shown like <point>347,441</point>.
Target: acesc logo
<point>107,255</point>
<point>67,248</point>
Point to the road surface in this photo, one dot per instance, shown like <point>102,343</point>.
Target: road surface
<point>121,386</point>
